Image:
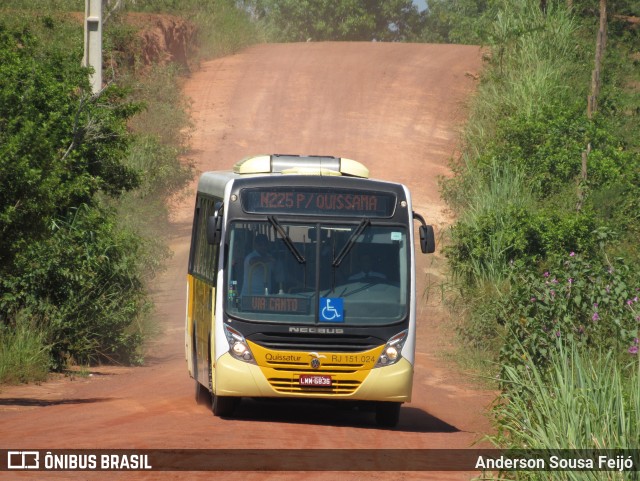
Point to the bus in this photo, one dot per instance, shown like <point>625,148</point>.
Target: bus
<point>302,284</point>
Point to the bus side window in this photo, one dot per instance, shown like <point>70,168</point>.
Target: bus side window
<point>205,255</point>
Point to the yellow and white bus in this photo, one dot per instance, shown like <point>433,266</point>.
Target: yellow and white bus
<point>301,284</point>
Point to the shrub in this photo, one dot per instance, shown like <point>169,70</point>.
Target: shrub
<point>83,289</point>
<point>489,245</point>
<point>591,303</point>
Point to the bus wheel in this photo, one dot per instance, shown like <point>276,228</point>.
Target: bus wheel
<point>388,414</point>
<point>224,405</point>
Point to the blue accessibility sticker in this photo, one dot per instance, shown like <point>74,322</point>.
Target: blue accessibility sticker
<point>331,309</point>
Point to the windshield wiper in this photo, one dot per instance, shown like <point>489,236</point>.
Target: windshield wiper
<point>351,242</point>
<point>287,240</point>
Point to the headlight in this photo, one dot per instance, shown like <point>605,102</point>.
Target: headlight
<point>238,346</point>
<point>391,353</point>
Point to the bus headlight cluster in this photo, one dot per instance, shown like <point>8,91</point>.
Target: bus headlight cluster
<point>238,346</point>
<point>391,353</point>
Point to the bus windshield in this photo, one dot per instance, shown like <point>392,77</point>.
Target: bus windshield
<point>308,273</point>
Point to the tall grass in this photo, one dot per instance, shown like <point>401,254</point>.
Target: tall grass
<point>499,190</point>
<point>584,401</point>
<point>533,59</point>
<point>24,354</point>
<point>533,63</point>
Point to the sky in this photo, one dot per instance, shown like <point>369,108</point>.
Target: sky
<point>421,4</point>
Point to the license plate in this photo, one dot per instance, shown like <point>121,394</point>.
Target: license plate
<point>315,380</point>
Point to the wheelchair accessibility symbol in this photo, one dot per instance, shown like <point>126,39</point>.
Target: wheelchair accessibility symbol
<point>331,309</point>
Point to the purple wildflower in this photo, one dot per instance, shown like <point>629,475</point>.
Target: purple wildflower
<point>557,333</point>
<point>546,274</point>
<point>633,350</point>
<point>570,280</point>
<point>533,299</point>
<point>595,317</point>
<point>571,254</point>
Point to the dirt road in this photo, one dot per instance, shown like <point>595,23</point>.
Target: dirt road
<point>395,108</point>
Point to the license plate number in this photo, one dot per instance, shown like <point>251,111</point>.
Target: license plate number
<point>315,380</point>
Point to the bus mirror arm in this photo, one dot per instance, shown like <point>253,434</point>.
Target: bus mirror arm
<point>427,236</point>
<point>214,225</point>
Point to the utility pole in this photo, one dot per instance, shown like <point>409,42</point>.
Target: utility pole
<point>93,42</point>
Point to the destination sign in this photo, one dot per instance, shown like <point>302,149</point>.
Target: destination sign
<point>310,201</point>
<point>291,305</point>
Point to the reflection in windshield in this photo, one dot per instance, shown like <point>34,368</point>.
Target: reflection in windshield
<point>265,280</point>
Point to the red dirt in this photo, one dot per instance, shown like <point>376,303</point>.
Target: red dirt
<point>394,107</point>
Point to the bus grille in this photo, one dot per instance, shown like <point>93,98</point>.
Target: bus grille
<point>285,378</point>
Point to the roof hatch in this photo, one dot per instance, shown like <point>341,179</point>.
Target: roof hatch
<point>297,164</point>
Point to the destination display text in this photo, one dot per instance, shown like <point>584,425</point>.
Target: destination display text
<point>318,202</point>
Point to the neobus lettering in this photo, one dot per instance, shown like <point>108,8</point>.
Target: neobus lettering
<point>316,330</point>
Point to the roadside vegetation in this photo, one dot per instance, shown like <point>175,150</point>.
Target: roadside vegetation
<point>87,179</point>
<point>544,255</point>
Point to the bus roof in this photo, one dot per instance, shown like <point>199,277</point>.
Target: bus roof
<point>270,165</point>
<point>301,165</point>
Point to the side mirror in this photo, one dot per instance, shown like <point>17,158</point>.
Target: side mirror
<point>427,239</point>
<point>214,225</point>
<point>427,236</point>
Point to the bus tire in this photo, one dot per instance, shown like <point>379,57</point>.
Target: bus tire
<point>223,406</point>
<point>388,414</point>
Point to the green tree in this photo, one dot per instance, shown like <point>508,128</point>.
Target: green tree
<point>457,21</point>
<point>59,146</point>
<point>61,151</point>
<point>318,20</point>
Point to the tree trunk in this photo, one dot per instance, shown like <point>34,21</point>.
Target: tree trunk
<point>592,100</point>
